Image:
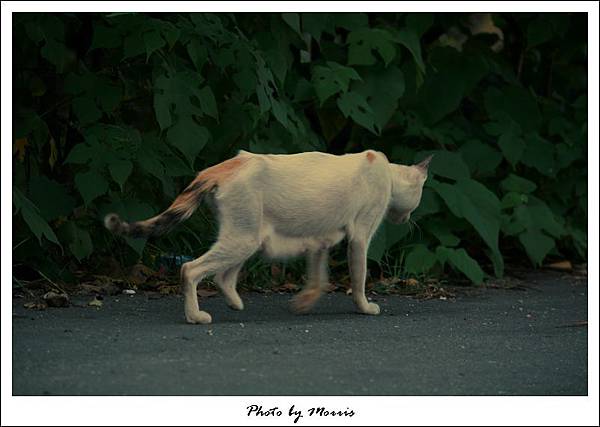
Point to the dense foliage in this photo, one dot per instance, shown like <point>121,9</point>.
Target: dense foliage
<point>116,112</point>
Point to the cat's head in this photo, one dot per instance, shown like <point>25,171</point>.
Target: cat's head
<point>407,188</point>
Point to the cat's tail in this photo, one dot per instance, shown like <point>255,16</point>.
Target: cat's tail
<point>182,207</point>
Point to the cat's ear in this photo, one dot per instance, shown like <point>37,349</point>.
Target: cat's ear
<point>423,165</point>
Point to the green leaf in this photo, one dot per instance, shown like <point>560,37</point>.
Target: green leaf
<point>86,110</point>
<point>31,215</point>
<point>105,37</point>
<point>189,137</point>
<point>332,79</point>
<point>382,88</point>
<point>293,20</point>
<point>517,184</point>
<point>443,234</point>
<point>109,97</point>
<point>207,102</point>
<point>512,146</point>
<point>354,105</point>
<point>536,244</point>
<point>471,200</point>
<point>363,42</point>
<point>539,154</point>
<point>446,163</point>
<point>419,260</point>
<point>386,236</point>
<point>133,45</point>
<point>152,42</point>
<point>516,103</point>
<point>57,54</point>
<point>52,198</point>
<point>198,53</point>
<point>120,171</point>
<point>80,154</point>
<point>410,39</point>
<point>460,260</point>
<point>90,185</point>
<point>480,157</point>
<point>317,23</point>
<point>511,200</point>
<point>419,23</point>
<point>81,245</point>
<point>351,21</point>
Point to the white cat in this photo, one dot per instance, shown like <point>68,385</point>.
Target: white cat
<point>287,205</point>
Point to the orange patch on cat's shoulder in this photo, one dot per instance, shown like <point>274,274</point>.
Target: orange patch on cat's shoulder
<point>370,157</point>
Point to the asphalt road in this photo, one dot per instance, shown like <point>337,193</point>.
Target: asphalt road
<point>490,342</point>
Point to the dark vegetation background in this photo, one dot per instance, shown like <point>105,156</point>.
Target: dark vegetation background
<point>117,112</point>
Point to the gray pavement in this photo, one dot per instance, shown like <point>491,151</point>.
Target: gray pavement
<point>486,342</point>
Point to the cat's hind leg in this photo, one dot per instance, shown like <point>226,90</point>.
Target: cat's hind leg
<point>316,283</point>
<point>218,260</point>
<point>227,281</point>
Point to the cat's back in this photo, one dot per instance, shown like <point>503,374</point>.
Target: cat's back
<point>315,165</point>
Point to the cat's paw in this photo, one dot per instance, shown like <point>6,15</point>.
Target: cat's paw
<point>305,300</point>
<point>371,309</point>
<point>235,303</point>
<point>198,317</point>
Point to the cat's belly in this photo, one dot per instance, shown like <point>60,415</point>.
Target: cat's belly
<point>278,245</point>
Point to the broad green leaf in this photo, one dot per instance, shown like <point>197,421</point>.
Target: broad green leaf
<point>419,260</point>
<point>90,185</point>
<point>293,20</point>
<point>120,171</point>
<point>31,215</point>
<point>351,21</point>
<point>460,260</point>
<point>511,145</point>
<point>317,23</point>
<point>331,79</point>
<point>382,87</point>
<point>410,39</point>
<point>363,42</point>
<point>86,110</point>
<point>207,102</point>
<point>511,199</point>
<point>443,234</point>
<point>517,184</point>
<point>81,245</point>
<point>446,163</point>
<point>133,45</point>
<point>152,42</point>
<point>80,154</point>
<point>355,106</point>
<point>57,54</point>
<point>480,157</point>
<point>51,197</point>
<point>109,97</point>
<point>539,154</point>
<point>105,37</point>
<point>536,244</point>
<point>198,53</point>
<point>189,137</point>
<point>419,23</point>
<point>514,102</point>
<point>471,200</point>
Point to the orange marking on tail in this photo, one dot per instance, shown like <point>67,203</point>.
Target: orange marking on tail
<point>206,181</point>
<point>370,157</point>
<point>220,173</point>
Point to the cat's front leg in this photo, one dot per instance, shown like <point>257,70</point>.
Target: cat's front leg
<point>357,262</point>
